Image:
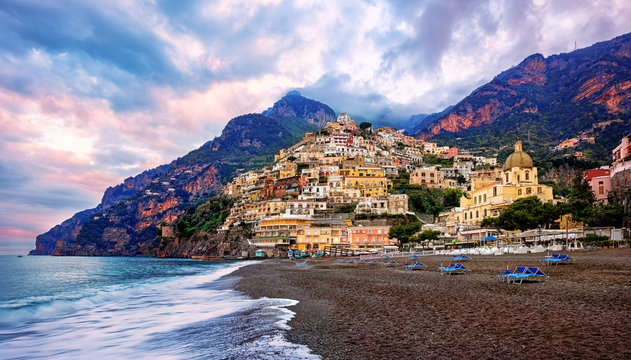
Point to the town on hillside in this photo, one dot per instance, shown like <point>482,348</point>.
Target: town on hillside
<point>350,188</point>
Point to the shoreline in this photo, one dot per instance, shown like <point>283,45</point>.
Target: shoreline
<point>359,311</point>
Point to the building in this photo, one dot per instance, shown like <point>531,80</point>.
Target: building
<point>254,211</point>
<point>430,176</point>
<point>518,179</point>
<point>279,233</point>
<point>370,181</point>
<point>398,203</point>
<point>342,139</point>
<point>599,181</point>
<point>621,177</point>
<point>322,234</point>
<point>287,170</point>
<point>366,237</point>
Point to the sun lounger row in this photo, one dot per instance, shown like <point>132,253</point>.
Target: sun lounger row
<point>523,273</point>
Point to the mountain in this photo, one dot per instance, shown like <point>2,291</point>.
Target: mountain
<point>127,219</point>
<point>419,122</point>
<point>546,99</point>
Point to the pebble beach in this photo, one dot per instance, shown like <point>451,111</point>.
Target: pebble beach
<point>362,311</point>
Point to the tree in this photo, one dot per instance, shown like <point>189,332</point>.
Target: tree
<point>365,125</point>
<point>452,197</point>
<point>404,232</point>
<point>523,214</point>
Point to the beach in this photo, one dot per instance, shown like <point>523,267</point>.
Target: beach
<point>360,311</point>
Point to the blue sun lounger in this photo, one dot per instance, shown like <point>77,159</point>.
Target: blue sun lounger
<point>456,268</point>
<point>556,259</point>
<point>389,263</point>
<point>524,273</point>
<point>417,265</point>
<point>413,257</point>
<point>461,258</point>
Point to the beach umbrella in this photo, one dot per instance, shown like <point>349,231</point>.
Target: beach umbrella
<point>490,238</point>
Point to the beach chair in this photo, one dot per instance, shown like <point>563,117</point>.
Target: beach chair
<point>556,259</point>
<point>417,265</point>
<point>462,257</point>
<point>453,268</point>
<point>389,263</point>
<point>524,273</point>
<point>302,264</point>
<point>504,275</point>
<point>413,257</point>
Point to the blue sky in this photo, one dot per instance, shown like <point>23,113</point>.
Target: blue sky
<point>93,92</point>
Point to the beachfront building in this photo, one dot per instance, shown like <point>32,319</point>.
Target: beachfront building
<point>518,179</point>
<point>366,237</point>
<point>279,233</point>
<point>322,234</point>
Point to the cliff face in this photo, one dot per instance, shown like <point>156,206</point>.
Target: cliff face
<point>552,93</point>
<point>127,221</point>
<point>67,231</point>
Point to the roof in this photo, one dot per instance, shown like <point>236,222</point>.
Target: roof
<point>590,174</point>
<point>518,159</point>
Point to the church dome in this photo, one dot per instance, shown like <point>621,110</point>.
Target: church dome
<point>518,159</point>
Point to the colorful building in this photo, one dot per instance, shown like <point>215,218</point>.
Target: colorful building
<point>518,179</point>
<point>599,181</point>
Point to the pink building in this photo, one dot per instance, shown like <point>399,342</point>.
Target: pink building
<point>600,182</point>
<point>450,153</point>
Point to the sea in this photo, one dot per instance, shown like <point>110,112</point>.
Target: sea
<point>55,307</point>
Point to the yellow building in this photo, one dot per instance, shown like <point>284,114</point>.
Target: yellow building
<point>370,181</point>
<point>322,234</point>
<point>262,209</point>
<point>287,170</point>
<point>279,232</point>
<point>518,179</point>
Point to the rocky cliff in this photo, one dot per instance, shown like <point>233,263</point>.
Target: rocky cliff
<point>550,99</point>
<point>127,221</point>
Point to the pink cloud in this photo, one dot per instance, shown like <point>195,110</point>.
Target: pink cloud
<point>13,232</point>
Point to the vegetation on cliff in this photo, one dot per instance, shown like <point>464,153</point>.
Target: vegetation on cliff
<point>126,222</point>
<point>543,101</point>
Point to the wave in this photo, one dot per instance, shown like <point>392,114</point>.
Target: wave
<point>182,317</point>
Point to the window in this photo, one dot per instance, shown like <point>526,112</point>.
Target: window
<point>484,197</point>
<point>539,190</point>
<point>601,189</point>
<point>528,191</point>
<point>506,177</point>
<point>477,214</point>
<point>485,212</point>
<point>518,178</point>
<point>519,192</point>
<point>465,216</point>
<point>527,175</point>
<point>494,190</point>
<point>431,175</point>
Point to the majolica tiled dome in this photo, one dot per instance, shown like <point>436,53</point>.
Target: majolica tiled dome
<point>518,158</point>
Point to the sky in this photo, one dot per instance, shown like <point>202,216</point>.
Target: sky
<point>92,92</point>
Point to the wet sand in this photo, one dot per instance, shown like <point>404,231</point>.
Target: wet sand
<point>359,311</point>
